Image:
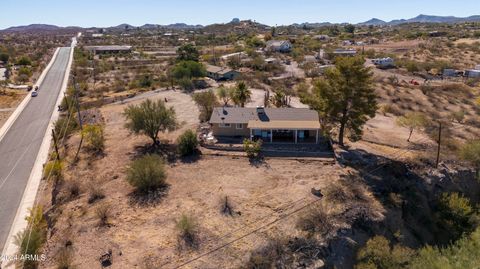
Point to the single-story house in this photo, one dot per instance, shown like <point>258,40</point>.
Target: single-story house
<point>271,60</point>
<point>221,73</point>
<point>109,49</point>
<point>344,52</point>
<point>477,67</point>
<point>279,46</point>
<point>272,125</point>
<point>321,37</point>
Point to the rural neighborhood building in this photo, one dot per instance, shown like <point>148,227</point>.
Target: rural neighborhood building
<point>3,74</point>
<point>384,62</point>
<point>221,73</point>
<point>472,73</point>
<point>279,46</point>
<point>272,125</point>
<point>344,52</point>
<point>109,49</point>
<point>239,55</point>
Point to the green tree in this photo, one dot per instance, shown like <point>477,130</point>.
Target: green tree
<point>188,52</point>
<point>24,60</point>
<point>4,57</point>
<point>189,69</point>
<point>350,28</point>
<point>150,118</point>
<point>377,254</point>
<point>206,101</point>
<point>187,143</point>
<point>241,94</point>
<point>345,97</point>
<point>464,253</point>
<point>252,148</point>
<point>147,173</point>
<point>225,94</point>
<point>455,215</point>
<point>412,121</point>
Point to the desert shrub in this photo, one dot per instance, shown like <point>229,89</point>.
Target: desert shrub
<point>186,84</point>
<point>187,227</point>
<point>94,137</point>
<point>465,253</point>
<point>272,255</point>
<point>377,253</point>
<point>31,239</point>
<point>458,116</point>
<point>24,60</point>
<point>53,169</point>
<point>315,221</point>
<point>455,215</point>
<point>95,193</point>
<point>187,143</point>
<point>64,259</point>
<point>252,148</point>
<point>386,109</point>
<point>471,153</point>
<point>147,173</point>
<point>64,127</point>
<point>73,189</point>
<point>103,214</point>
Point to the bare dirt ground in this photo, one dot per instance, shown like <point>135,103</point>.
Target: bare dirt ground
<point>146,234</point>
<point>9,102</point>
<point>395,46</point>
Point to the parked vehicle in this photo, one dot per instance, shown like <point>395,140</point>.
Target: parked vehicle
<point>36,88</point>
<point>34,94</point>
<point>29,88</point>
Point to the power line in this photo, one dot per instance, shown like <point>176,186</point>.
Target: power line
<point>402,152</point>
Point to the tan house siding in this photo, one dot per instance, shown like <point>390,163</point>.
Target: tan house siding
<point>230,131</point>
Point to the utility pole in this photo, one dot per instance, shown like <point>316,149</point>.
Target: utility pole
<point>439,142</point>
<point>79,118</point>
<point>55,143</point>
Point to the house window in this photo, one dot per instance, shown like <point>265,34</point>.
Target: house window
<point>224,125</point>
<point>239,126</point>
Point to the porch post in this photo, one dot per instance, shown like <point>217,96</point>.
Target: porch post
<point>296,132</point>
<point>271,136</point>
<point>251,134</point>
<point>316,138</point>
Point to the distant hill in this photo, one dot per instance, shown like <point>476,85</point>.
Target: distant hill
<point>374,22</point>
<point>424,19</point>
<point>32,27</point>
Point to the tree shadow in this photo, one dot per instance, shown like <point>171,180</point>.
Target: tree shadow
<point>193,158</point>
<point>149,199</point>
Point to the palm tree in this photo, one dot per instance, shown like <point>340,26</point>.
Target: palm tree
<point>241,94</point>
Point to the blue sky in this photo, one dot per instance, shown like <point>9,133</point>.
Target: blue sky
<point>273,12</point>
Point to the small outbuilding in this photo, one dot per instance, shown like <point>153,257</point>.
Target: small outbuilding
<point>283,46</point>
<point>113,49</point>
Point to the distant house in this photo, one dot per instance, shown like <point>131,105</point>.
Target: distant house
<point>321,37</point>
<point>239,55</point>
<point>271,60</point>
<point>344,52</point>
<point>472,73</point>
<point>3,74</point>
<point>114,49</point>
<point>272,125</point>
<point>279,46</point>
<point>477,67</point>
<point>384,62</point>
<point>221,73</point>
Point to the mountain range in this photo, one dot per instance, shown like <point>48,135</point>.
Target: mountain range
<point>375,22</point>
<point>423,19</point>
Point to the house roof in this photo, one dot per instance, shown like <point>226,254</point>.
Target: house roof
<point>218,69</point>
<point>107,48</point>
<point>276,118</point>
<point>276,43</point>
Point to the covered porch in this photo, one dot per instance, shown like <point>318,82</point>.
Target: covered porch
<point>291,132</point>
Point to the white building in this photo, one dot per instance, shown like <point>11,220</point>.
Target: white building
<point>279,46</point>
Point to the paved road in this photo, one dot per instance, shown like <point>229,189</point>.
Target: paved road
<point>20,145</point>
